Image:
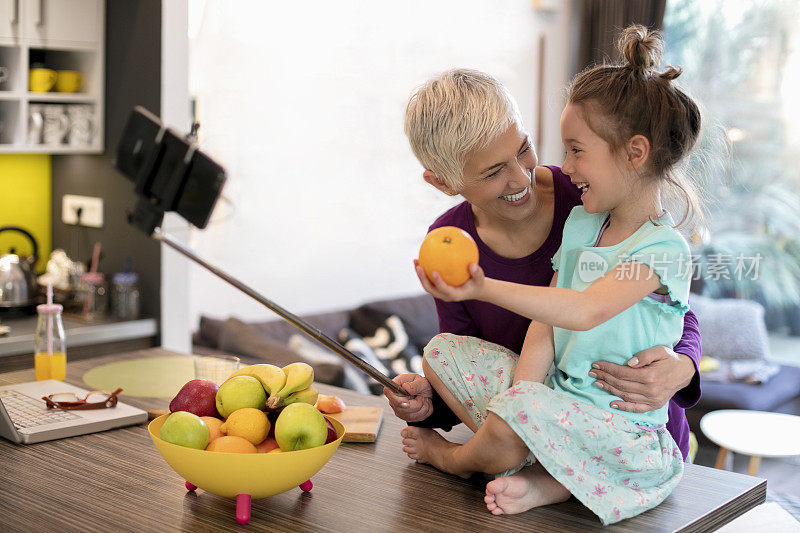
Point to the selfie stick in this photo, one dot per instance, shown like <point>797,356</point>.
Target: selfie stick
<point>171,174</point>
<point>290,317</point>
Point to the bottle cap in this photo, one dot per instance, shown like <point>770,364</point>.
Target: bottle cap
<point>49,309</point>
<point>92,278</point>
<point>126,278</point>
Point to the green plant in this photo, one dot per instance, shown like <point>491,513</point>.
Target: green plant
<point>758,249</point>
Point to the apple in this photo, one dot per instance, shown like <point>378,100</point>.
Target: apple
<point>185,429</point>
<point>239,392</point>
<point>332,436</point>
<point>197,396</point>
<point>300,426</point>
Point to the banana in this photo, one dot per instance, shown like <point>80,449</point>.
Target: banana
<point>271,377</point>
<point>308,395</point>
<point>299,376</point>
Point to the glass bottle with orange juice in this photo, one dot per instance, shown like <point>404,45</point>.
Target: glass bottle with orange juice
<point>50,359</point>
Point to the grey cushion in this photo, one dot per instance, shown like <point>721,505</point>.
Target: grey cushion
<point>269,340</point>
<point>418,314</point>
<point>730,328</point>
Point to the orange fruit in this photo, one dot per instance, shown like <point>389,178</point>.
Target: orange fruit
<point>449,251</point>
<point>231,445</point>
<point>213,424</point>
<point>267,445</point>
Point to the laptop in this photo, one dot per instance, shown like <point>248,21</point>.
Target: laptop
<point>25,418</point>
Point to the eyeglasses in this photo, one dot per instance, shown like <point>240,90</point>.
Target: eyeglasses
<point>98,399</point>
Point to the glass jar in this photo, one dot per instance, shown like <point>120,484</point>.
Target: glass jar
<point>50,344</point>
<point>125,300</point>
<point>93,295</point>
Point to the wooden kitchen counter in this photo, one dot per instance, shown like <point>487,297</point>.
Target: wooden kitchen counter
<point>117,481</point>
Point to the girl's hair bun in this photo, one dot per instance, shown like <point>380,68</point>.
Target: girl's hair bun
<point>671,73</point>
<point>640,47</point>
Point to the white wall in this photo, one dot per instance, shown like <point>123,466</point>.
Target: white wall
<point>176,325</point>
<point>303,103</point>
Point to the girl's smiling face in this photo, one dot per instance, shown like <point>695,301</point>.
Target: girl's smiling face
<point>498,177</point>
<point>591,164</point>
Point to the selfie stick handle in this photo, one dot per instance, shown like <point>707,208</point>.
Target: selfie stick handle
<point>293,319</point>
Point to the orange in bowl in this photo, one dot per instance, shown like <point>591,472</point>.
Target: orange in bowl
<point>449,251</point>
<point>231,444</point>
<point>267,445</point>
<point>213,424</point>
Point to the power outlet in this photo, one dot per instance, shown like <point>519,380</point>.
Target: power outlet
<point>91,210</point>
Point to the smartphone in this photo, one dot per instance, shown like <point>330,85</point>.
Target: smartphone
<point>170,173</point>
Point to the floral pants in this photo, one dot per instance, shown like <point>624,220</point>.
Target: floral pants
<point>614,467</point>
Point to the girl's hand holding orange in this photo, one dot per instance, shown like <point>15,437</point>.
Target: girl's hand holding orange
<point>447,265</point>
<point>472,289</point>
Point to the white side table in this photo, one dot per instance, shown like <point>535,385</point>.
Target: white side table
<point>754,433</point>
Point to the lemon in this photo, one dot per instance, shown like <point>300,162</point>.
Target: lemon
<point>248,423</point>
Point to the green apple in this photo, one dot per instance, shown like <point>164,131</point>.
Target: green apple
<point>239,392</point>
<point>186,429</point>
<point>300,426</point>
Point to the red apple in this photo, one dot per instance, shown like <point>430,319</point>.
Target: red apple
<point>198,397</point>
<point>331,432</point>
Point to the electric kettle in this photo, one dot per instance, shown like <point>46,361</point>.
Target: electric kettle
<point>17,278</point>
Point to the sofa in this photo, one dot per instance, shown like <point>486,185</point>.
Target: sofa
<point>279,342</point>
<point>271,340</point>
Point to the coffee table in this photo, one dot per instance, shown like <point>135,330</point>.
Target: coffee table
<point>754,433</point>
<point>117,481</point>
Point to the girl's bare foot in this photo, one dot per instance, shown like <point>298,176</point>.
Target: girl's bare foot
<point>427,446</point>
<point>530,487</point>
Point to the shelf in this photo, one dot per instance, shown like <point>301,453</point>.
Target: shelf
<point>72,37</point>
<point>48,149</point>
<point>106,329</point>
<point>61,97</point>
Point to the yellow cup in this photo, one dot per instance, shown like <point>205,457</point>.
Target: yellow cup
<point>41,80</point>
<point>68,81</point>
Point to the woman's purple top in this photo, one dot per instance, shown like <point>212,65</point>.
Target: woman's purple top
<point>495,324</point>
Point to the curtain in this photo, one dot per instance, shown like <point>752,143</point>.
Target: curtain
<point>602,21</point>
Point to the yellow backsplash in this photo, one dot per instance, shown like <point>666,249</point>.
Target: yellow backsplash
<point>25,201</point>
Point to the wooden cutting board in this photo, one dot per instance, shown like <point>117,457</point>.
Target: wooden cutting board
<point>361,424</point>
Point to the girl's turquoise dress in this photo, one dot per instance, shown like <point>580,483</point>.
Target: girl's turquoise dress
<point>618,464</point>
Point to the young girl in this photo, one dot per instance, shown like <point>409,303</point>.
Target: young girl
<point>621,285</point>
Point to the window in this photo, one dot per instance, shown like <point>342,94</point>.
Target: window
<point>741,60</point>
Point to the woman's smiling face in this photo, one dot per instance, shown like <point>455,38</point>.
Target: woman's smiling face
<point>498,177</point>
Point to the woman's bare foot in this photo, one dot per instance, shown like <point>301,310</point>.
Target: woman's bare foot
<point>530,487</point>
<point>427,446</point>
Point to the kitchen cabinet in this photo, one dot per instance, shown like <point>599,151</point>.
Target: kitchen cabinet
<point>71,23</point>
<point>59,35</point>
<point>9,19</point>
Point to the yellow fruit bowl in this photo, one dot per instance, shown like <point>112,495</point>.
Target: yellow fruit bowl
<point>244,475</point>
